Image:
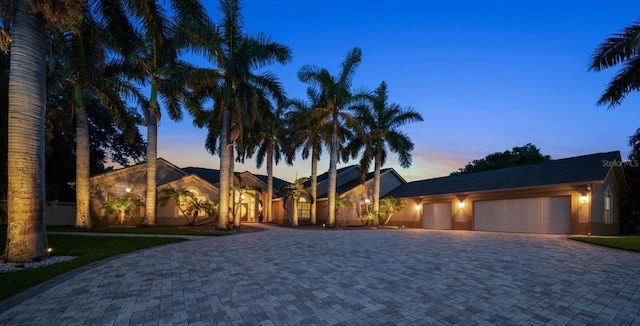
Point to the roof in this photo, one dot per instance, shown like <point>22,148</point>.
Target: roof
<point>213,177</point>
<point>587,168</point>
<point>325,176</point>
<point>210,175</point>
<point>351,184</point>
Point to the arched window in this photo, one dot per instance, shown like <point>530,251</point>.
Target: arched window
<point>304,208</point>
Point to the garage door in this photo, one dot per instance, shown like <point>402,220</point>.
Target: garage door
<point>534,215</point>
<point>437,216</point>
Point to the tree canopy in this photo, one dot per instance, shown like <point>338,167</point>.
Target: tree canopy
<point>522,155</point>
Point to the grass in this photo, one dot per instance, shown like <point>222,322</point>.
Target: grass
<point>631,243</point>
<point>86,249</point>
<point>153,230</point>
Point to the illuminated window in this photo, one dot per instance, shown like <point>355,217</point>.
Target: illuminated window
<point>304,208</point>
<point>607,206</point>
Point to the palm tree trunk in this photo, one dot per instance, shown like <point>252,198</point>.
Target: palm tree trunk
<point>152,157</point>
<point>376,183</point>
<point>269,204</point>
<point>232,198</point>
<point>83,219</point>
<point>314,184</point>
<point>294,220</point>
<point>223,220</point>
<point>26,231</point>
<point>333,179</point>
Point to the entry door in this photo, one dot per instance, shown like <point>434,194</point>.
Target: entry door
<point>437,216</point>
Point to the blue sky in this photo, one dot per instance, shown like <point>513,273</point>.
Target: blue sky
<point>485,75</point>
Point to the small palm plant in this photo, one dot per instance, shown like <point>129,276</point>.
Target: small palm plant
<point>391,205</point>
<point>123,205</point>
<point>188,204</point>
<point>294,191</point>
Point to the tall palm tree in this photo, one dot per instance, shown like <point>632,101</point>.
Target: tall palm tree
<point>380,131</point>
<point>310,133</point>
<point>26,233</point>
<point>272,141</point>
<point>92,77</point>
<point>157,64</point>
<point>337,97</point>
<point>294,191</point>
<point>621,48</point>
<point>237,56</point>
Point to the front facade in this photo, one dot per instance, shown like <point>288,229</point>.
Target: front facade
<point>578,195</point>
<point>249,193</point>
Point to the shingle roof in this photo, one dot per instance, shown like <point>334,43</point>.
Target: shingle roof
<point>213,177</point>
<point>210,175</point>
<point>325,176</point>
<point>351,184</point>
<point>578,169</point>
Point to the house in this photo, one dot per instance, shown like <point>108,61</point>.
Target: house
<point>250,192</point>
<point>577,195</point>
<point>348,187</point>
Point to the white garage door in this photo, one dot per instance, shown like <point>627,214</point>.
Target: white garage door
<point>437,216</point>
<point>534,215</point>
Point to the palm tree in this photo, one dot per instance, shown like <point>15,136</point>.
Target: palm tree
<point>187,203</point>
<point>621,48</point>
<point>272,137</point>
<point>236,56</point>
<point>92,78</point>
<point>310,134</point>
<point>380,123</point>
<point>294,191</point>
<point>391,205</point>
<point>123,205</point>
<point>157,65</point>
<point>337,97</point>
<point>26,232</point>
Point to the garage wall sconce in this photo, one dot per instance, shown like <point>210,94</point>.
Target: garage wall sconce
<point>417,207</point>
<point>584,199</point>
<point>461,204</point>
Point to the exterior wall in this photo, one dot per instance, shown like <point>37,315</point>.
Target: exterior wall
<point>279,213</point>
<point>128,181</point>
<point>169,215</point>
<point>598,223</point>
<point>410,217</point>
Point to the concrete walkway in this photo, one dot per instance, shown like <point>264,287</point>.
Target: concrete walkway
<point>345,277</point>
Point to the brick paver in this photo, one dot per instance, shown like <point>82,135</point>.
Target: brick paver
<point>346,277</point>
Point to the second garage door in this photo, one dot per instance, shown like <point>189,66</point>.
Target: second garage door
<point>437,216</point>
<point>533,215</point>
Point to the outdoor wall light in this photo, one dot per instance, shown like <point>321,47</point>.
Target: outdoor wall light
<point>127,189</point>
<point>461,204</point>
<point>417,207</point>
<point>367,201</point>
<point>584,198</point>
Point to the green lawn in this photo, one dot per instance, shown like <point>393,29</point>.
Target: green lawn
<point>86,249</point>
<point>631,243</point>
<point>153,230</point>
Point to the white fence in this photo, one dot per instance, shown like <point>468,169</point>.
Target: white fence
<point>55,213</point>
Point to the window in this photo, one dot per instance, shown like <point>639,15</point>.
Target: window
<point>607,206</point>
<point>304,208</point>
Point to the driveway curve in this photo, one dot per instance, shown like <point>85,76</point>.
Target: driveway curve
<point>286,276</point>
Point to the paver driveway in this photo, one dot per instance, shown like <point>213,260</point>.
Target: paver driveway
<point>302,277</point>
